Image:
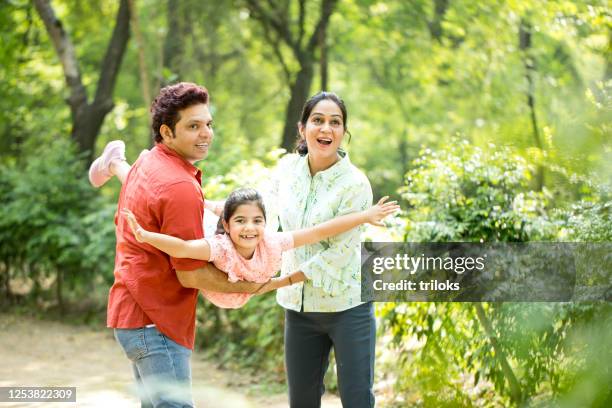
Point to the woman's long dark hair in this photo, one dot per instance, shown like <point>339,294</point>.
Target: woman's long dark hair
<point>236,199</point>
<point>302,148</point>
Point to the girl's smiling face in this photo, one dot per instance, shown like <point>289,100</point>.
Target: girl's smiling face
<point>246,228</point>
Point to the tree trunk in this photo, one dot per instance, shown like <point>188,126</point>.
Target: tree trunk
<point>172,45</point>
<point>142,63</point>
<point>59,283</point>
<point>323,62</point>
<point>608,57</point>
<point>525,47</point>
<point>5,280</point>
<point>299,92</point>
<point>403,153</point>
<point>275,20</point>
<point>515,388</point>
<point>435,25</point>
<point>87,118</point>
<point>323,65</point>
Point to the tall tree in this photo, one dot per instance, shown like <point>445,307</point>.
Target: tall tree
<point>275,19</point>
<point>323,60</point>
<point>142,65</point>
<point>87,117</point>
<point>174,42</point>
<point>435,24</point>
<point>529,64</point>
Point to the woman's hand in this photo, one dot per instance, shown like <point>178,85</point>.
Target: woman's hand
<point>139,232</point>
<point>269,286</point>
<point>281,282</point>
<point>376,213</point>
<point>216,207</point>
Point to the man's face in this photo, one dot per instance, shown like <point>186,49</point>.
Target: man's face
<point>193,133</point>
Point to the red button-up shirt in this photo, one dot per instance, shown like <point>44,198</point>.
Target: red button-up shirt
<point>164,191</point>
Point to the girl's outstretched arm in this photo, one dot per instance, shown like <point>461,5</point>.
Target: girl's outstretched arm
<point>372,215</point>
<point>175,247</point>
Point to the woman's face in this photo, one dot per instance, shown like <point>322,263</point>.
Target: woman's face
<point>324,131</point>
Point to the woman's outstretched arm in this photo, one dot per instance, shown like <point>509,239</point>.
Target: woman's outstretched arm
<point>372,215</point>
<point>175,247</point>
<point>215,206</point>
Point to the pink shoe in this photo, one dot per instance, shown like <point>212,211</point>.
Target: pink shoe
<point>99,171</point>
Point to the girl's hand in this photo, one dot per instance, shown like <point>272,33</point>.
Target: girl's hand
<point>376,213</point>
<point>138,231</point>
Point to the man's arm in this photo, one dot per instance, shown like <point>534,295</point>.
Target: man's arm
<point>211,278</point>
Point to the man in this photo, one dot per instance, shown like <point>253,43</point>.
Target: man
<point>152,304</point>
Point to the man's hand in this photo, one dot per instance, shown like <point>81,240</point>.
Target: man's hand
<point>212,278</point>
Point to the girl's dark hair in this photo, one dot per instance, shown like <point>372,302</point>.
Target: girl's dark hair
<point>172,99</point>
<point>236,199</point>
<point>301,147</point>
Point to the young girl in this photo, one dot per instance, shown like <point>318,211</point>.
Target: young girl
<point>241,246</point>
<point>244,249</point>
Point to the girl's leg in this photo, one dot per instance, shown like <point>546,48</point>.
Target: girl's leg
<point>120,168</point>
<point>100,170</point>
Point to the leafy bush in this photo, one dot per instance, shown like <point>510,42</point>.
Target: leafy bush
<point>521,351</point>
<point>47,225</point>
<point>464,193</point>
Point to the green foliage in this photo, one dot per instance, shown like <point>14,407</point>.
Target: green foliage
<point>250,337</point>
<point>412,75</point>
<point>49,218</point>
<point>587,342</point>
<point>463,193</point>
<point>588,221</point>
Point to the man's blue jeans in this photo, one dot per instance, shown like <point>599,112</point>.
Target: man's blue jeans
<point>162,368</point>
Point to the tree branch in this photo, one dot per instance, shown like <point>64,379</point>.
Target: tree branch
<point>528,62</point>
<point>326,11</point>
<point>266,19</point>
<point>65,51</point>
<point>277,51</point>
<point>301,18</point>
<point>517,395</point>
<point>87,118</point>
<point>112,59</point>
<point>142,64</point>
<point>435,25</point>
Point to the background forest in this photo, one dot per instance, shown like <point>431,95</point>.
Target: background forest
<point>489,120</point>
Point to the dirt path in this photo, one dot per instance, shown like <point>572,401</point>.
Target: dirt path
<point>42,353</point>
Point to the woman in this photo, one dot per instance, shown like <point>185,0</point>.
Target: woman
<point>315,185</point>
